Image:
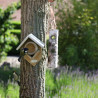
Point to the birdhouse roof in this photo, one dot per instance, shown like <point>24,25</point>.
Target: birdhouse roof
<point>33,38</point>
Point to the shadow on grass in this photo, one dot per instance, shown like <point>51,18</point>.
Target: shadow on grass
<point>6,72</point>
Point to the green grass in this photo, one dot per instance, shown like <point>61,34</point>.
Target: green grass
<point>13,91</point>
<point>79,87</point>
<point>9,91</point>
<point>62,85</point>
<point>71,85</point>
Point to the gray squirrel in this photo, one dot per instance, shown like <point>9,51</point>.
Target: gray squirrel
<point>16,77</point>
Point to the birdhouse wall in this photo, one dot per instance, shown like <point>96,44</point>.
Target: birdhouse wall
<point>33,60</point>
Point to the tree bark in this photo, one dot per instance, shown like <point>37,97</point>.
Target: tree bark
<point>34,20</point>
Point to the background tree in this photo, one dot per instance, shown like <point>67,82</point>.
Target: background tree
<point>78,33</point>
<point>6,37</point>
<point>34,20</point>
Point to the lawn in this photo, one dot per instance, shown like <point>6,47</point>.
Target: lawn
<point>60,83</point>
<point>72,84</point>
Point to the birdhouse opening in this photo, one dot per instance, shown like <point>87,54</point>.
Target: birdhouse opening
<point>32,47</point>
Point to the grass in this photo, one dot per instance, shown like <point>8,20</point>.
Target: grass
<point>71,84</point>
<point>78,88</point>
<point>9,91</point>
<point>61,84</point>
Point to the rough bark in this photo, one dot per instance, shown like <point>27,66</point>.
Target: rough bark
<point>33,20</point>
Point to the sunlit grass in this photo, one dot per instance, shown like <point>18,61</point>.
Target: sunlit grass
<point>1,91</point>
<point>9,91</point>
<point>71,85</point>
<point>79,88</point>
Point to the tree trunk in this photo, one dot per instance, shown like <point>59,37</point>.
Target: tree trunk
<point>33,20</point>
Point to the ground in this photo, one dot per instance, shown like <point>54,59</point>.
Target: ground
<point>13,60</point>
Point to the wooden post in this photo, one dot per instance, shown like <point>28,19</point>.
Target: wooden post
<point>53,49</point>
<point>53,41</point>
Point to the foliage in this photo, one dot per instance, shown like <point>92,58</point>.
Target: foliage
<point>78,35</point>
<point>17,32</point>
<point>6,72</point>
<point>6,38</point>
<point>16,24</point>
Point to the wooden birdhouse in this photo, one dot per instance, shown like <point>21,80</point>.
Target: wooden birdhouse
<point>32,49</point>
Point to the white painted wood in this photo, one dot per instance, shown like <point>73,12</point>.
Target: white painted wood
<point>33,38</point>
<point>53,49</point>
<point>34,61</point>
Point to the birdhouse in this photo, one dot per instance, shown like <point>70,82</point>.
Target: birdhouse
<point>32,48</point>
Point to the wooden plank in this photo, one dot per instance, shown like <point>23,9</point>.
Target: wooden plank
<point>35,59</point>
<point>53,49</point>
